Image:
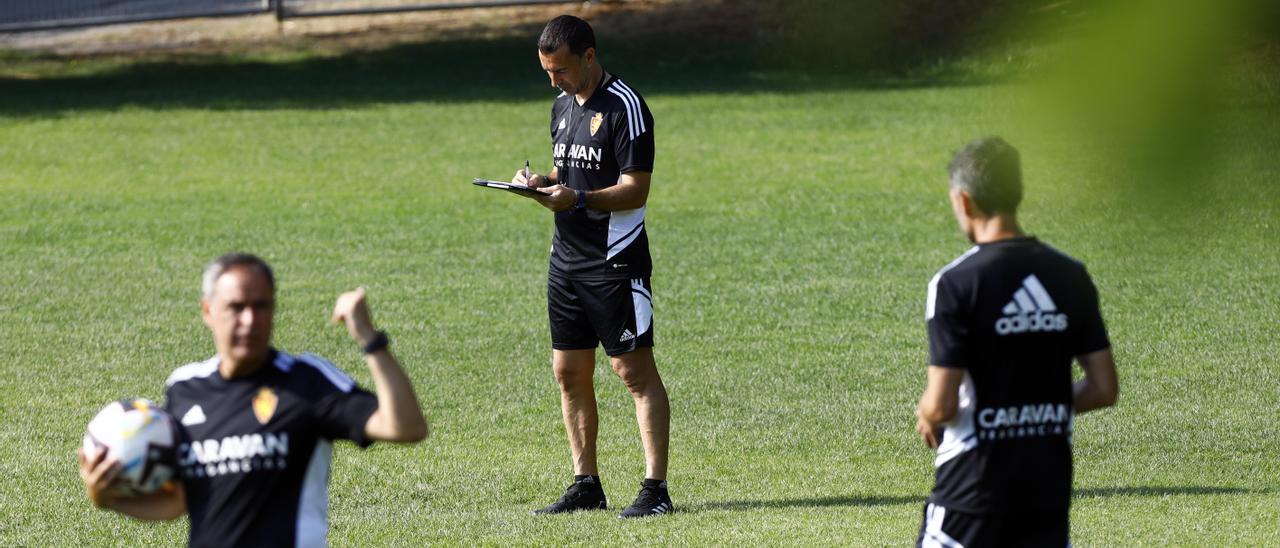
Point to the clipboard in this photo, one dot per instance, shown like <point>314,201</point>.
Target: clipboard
<point>508,186</point>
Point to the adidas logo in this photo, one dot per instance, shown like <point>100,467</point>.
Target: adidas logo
<point>194,416</point>
<point>626,336</point>
<point>1031,310</point>
<point>562,124</point>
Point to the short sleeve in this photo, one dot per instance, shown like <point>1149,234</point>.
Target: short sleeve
<point>343,415</point>
<point>945,321</point>
<point>551,126</point>
<point>340,407</point>
<point>1090,331</point>
<point>168,403</point>
<point>631,131</point>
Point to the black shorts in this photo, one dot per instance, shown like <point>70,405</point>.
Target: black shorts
<point>616,314</point>
<point>952,529</point>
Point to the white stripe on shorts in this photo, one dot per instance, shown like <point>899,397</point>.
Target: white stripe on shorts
<point>642,301</point>
<point>934,537</point>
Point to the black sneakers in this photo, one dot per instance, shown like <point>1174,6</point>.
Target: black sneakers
<point>653,500</point>
<point>584,494</point>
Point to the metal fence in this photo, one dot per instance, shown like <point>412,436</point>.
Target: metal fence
<point>321,8</point>
<point>27,15</point>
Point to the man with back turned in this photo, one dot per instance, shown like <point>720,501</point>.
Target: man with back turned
<point>1005,321</point>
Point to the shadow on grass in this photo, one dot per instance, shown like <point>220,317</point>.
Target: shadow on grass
<point>458,70</point>
<point>1158,491</point>
<point>863,501</point>
<point>816,502</point>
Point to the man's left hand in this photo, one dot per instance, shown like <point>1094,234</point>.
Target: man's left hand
<point>929,432</point>
<point>352,310</point>
<point>558,198</point>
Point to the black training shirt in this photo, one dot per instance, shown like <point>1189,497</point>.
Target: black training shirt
<point>592,145</point>
<point>1013,314</point>
<point>255,451</point>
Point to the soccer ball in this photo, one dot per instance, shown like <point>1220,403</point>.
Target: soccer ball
<point>142,437</point>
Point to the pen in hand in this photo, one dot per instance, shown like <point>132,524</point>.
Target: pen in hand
<point>526,174</point>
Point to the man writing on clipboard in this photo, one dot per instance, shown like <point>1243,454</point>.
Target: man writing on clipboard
<point>598,283</point>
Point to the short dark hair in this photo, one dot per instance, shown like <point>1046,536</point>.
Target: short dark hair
<point>567,29</point>
<point>990,171</point>
<point>222,264</point>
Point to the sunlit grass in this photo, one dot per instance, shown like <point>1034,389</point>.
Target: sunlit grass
<point>793,230</point>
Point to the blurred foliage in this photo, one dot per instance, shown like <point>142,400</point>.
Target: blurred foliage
<point>1139,85</point>
<point>887,35</point>
<point>1143,87</point>
<point>873,34</point>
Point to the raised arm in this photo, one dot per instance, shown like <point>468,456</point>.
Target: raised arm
<point>398,417</point>
<point>1100,386</point>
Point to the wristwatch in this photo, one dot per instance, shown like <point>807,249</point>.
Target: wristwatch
<point>379,342</point>
<point>582,200</point>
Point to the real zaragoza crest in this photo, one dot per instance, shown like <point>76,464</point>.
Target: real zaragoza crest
<point>596,122</point>
<point>264,404</point>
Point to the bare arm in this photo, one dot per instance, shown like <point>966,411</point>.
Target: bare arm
<point>100,477</point>
<point>1100,386</point>
<point>939,402</point>
<point>631,192</point>
<point>398,417</point>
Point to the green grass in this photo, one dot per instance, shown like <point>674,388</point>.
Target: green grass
<point>795,219</point>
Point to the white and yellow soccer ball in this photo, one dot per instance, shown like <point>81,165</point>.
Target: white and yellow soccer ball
<point>140,435</point>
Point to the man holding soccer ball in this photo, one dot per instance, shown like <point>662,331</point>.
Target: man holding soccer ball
<point>258,423</point>
<point>1005,321</point>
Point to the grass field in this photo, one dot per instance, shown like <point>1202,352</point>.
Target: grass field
<point>795,219</point>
